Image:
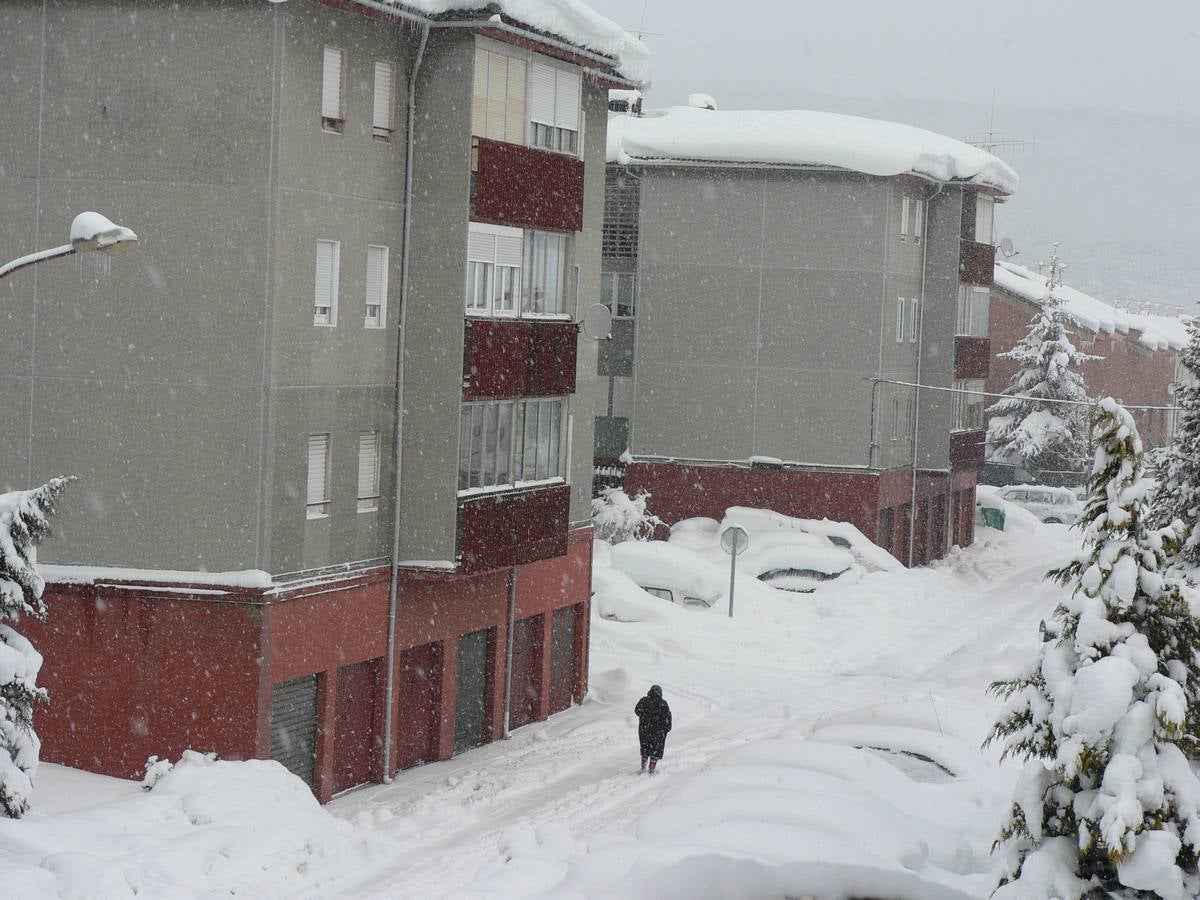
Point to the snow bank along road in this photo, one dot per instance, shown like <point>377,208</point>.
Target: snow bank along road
<point>763,792</point>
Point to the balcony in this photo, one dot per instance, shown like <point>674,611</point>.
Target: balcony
<point>966,450</point>
<point>513,528</point>
<point>972,357</point>
<point>525,187</point>
<point>505,358</point>
<point>976,263</point>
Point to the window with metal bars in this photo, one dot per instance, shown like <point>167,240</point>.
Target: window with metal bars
<point>622,196</point>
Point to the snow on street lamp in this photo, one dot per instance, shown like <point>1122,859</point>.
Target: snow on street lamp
<point>89,231</point>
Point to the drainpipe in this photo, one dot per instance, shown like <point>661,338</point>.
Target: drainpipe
<point>912,503</point>
<point>398,428</point>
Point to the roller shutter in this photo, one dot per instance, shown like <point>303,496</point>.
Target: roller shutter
<point>294,725</point>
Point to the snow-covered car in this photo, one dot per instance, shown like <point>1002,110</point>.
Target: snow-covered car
<point>670,573</point>
<point>1052,505</point>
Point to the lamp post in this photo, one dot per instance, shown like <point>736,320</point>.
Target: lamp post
<point>89,231</point>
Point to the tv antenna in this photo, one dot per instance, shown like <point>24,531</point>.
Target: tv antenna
<point>641,29</point>
<point>993,140</point>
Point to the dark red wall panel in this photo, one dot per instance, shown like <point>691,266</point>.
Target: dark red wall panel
<point>967,450</point>
<point>355,725</point>
<point>976,263</point>
<point>526,187</point>
<point>507,358</point>
<point>972,357</point>
<point>507,529</point>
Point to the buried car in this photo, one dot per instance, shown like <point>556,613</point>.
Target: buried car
<point>1052,505</point>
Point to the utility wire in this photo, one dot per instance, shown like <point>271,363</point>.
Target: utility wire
<point>935,387</point>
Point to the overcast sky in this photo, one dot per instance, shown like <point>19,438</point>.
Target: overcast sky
<point>1106,92</point>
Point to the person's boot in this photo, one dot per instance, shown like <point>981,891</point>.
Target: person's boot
<point>643,764</point>
<point>653,763</point>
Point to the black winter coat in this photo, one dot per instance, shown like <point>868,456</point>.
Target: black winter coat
<point>654,721</point>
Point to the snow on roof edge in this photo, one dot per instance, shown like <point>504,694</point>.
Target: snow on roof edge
<point>684,134</point>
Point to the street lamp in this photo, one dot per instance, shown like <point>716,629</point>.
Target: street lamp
<point>89,231</point>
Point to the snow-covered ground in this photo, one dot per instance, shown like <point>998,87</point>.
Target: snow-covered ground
<point>824,744</point>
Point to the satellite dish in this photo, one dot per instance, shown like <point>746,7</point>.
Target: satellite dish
<point>1007,248</point>
<point>597,322</point>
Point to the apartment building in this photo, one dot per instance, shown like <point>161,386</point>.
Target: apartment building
<point>346,209</point>
<point>782,283</point>
<point>1138,352</point>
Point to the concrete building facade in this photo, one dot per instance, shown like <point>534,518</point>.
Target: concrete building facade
<point>225,574</point>
<point>780,313</point>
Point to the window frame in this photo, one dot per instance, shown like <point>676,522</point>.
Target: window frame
<point>900,320</point>
<point>333,124</point>
<point>369,502</point>
<point>918,220</point>
<point>529,276</point>
<point>386,132</point>
<point>330,320</point>
<point>318,508</point>
<point>491,271</point>
<point>613,292</point>
<point>914,324</point>
<point>904,205</point>
<point>475,421</point>
<point>380,320</point>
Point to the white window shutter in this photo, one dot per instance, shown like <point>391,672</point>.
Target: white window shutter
<point>331,84</point>
<point>325,288</point>
<point>509,250</point>
<point>368,469</point>
<point>318,469</point>
<point>542,90</point>
<point>566,100</point>
<point>377,284</point>
<point>481,245</point>
<point>385,80</point>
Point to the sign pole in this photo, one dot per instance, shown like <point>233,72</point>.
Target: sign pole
<point>732,571</point>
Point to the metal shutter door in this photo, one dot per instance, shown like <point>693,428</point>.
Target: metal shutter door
<point>562,658</point>
<point>470,714</point>
<point>294,725</point>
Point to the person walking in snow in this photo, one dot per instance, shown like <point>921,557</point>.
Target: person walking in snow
<point>654,721</point>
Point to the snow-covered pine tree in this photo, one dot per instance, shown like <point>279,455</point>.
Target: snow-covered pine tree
<point>1028,424</point>
<point>24,523</point>
<point>1178,471</point>
<point>1107,800</point>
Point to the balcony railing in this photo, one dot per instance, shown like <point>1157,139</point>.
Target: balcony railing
<point>513,528</point>
<point>505,358</point>
<point>976,263</point>
<point>525,187</point>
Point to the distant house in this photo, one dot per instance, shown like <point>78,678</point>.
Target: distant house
<point>780,282</point>
<point>1138,351</point>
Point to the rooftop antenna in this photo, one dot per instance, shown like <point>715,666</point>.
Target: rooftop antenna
<point>641,29</point>
<point>992,140</point>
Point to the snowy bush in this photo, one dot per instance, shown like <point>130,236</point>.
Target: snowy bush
<point>24,523</point>
<point>618,517</point>
<point>1030,424</point>
<point>1177,496</point>
<point>1105,715</point>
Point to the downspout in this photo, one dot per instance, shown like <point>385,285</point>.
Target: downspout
<point>398,427</point>
<point>912,503</point>
<point>508,650</point>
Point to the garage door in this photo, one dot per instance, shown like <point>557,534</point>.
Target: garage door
<point>294,725</point>
<point>470,715</point>
<point>419,702</point>
<point>354,738</point>
<point>562,659</point>
<point>526,671</point>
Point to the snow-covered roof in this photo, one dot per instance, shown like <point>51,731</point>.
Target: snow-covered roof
<point>802,138</point>
<point>1153,331</point>
<point>572,21</point>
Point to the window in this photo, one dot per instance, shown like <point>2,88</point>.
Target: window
<point>493,269</point>
<point>554,108</point>
<point>326,292</point>
<point>545,274</point>
<point>914,320</point>
<point>383,111</point>
<point>377,286</point>
<point>899,320</point>
<point>904,218</point>
<point>967,404</point>
<point>622,397</point>
<point>498,110</point>
<point>618,291</point>
<point>318,476</point>
<point>983,218</point>
<point>895,418</point>
<point>368,471</point>
<point>333,104</point>
<point>506,442</point>
<point>972,311</point>
<point>918,210</point>
<point>908,417</point>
